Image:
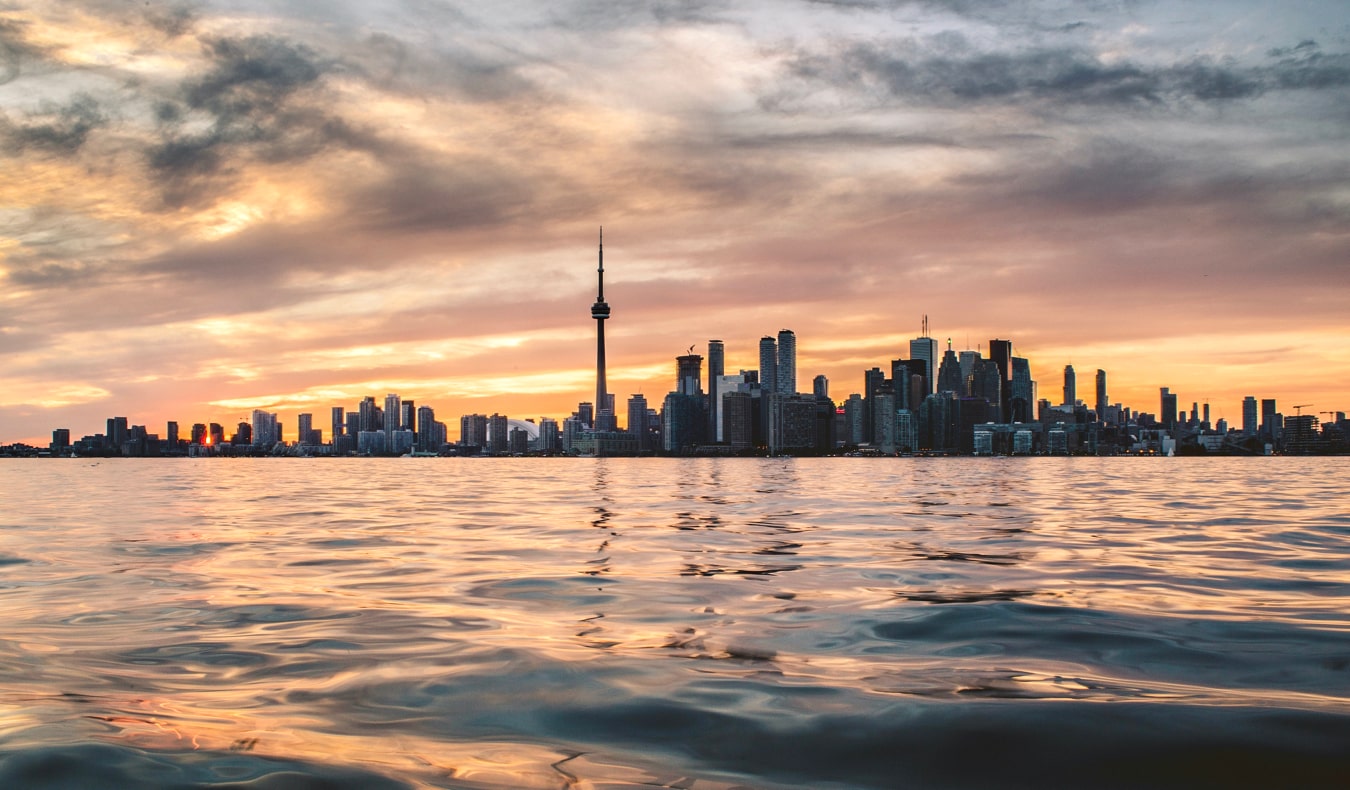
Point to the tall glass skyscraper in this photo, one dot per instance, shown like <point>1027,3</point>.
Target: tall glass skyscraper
<point>768,364</point>
<point>786,381</point>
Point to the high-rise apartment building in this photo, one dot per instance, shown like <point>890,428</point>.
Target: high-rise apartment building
<point>768,364</point>
<point>716,369</point>
<point>1249,424</point>
<point>1070,386</point>
<point>820,386</point>
<point>689,374</point>
<point>339,422</point>
<point>786,376</point>
<point>1102,401</point>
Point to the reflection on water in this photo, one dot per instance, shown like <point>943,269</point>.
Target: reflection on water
<point>711,623</point>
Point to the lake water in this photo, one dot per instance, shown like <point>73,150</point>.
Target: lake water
<point>716,623</point>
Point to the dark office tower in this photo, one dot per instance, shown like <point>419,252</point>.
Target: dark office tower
<point>1205,422</point>
<point>924,350</point>
<point>473,430</point>
<point>689,374</point>
<point>1022,393</point>
<point>738,420</point>
<point>600,312</point>
<point>1268,419</point>
<point>369,415</point>
<point>1102,401</point>
<point>171,435</point>
<point>987,383</point>
<point>353,425</point>
<point>586,414</point>
<point>339,426</point>
<point>1249,423</point>
<point>243,435</point>
<point>427,439</point>
<point>218,433</point>
<point>408,419</point>
<point>902,371</point>
<point>118,433</point>
<point>820,387</point>
<point>637,420</point>
<point>1070,386</point>
<point>199,433</point>
<point>61,440</point>
<point>1000,351</point>
<point>768,365</point>
<point>716,369</point>
<point>1168,408</point>
<point>786,379</point>
<point>499,429</point>
<point>873,381</point>
<point>949,373</point>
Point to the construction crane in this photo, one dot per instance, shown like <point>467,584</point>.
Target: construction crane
<point>1298,410</point>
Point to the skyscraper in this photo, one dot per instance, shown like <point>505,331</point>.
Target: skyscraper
<point>1070,386</point>
<point>786,377</point>
<point>1102,401</point>
<point>949,373</point>
<point>768,364</point>
<point>820,386</point>
<point>1249,424</point>
<point>600,311</point>
<point>925,350</point>
<point>716,368</point>
<point>689,374</point>
<point>637,420</point>
<point>339,415</point>
<point>1000,351</point>
<point>393,412</point>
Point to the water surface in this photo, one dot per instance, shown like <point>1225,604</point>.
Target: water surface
<point>714,623</point>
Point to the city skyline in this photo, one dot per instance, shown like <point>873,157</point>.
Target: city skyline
<point>216,208</point>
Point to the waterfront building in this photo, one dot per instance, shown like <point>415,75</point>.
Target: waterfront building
<point>689,375</point>
<point>873,381</point>
<point>855,419</point>
<point>1102,402</point>
<point>906,431</point>
<point>786,376</point>
<point>473,430</point>
<point>1249,422</point>
<point>1168,408</point>
<point>737,427</point>
<point>393,412</point>
<point>1022,397</point>
<point>339,422</point>
<point>1001,352</point>
<point>407,420</point>
<point>637,421</point>
<point>1070,386</point>
<point>792,420</point>
<point>820,386</point>
<point>924,351</point>
<point>497,434</point>
<point>949,373</point>
<point>716,369</point>
<point>986,382</point>
<point>969,359</point>
<point>883,436</point>
<point>550,439</point>
<point>768,363</point>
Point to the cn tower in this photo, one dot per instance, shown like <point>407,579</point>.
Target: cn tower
<point>600,311</point>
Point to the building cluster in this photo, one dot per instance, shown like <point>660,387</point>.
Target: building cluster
<point>930,401</point>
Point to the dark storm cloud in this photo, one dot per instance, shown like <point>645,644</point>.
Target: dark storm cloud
<point>15,49</point>
<point>944,72</point>
<point>55,129</point>
<point>416,197</point>
<point>262,96</point>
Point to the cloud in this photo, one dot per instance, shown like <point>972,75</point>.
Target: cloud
<point>945,71</point>
<point>60,130</point>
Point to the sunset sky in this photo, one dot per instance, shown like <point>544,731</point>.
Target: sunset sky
<point>211,207</point>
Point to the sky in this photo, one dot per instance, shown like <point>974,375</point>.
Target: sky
<point>211,207</point>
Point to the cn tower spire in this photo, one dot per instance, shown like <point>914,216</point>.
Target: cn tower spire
<point>600,311</point>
